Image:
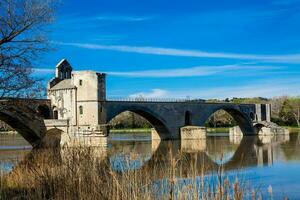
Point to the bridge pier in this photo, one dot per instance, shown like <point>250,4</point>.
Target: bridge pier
<point>192,132</point>
<point>58,138</point>
<point>160,135</point>
<point>184,133</point>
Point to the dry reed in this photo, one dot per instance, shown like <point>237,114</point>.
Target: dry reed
<point>83,173</point>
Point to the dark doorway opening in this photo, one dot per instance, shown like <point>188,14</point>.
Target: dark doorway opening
<point>187,118</point>
<point>44,111</point>
<point>55,113</point>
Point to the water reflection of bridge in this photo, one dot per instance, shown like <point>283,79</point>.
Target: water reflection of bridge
<point>207,155</point>
<point>246,154</point>
<point>197,156</point>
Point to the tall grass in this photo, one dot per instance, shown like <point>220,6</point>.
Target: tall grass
<point>84,173</point>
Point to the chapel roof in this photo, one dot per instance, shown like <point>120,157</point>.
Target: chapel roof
<point>63,84</point>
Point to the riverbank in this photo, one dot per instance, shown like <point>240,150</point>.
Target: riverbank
<point>145,130</point>
<point>130,130</point>
<point>292,129</point>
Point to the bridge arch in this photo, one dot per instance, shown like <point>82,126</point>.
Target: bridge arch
<point>154,119</point>
<point>243,120</point>
<point>30,127</point>
<point>26,117</point>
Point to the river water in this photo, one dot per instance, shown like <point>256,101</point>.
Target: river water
<point>264,161</point>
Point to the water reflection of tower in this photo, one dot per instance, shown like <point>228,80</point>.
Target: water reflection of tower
<point>267,150</point>
<point>264,155</point>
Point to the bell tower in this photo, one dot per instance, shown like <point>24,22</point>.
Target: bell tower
<point>63,70</point>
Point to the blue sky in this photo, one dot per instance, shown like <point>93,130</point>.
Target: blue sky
<point>175,49</point>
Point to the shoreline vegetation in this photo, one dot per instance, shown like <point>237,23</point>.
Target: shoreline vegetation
<point>130,130</point>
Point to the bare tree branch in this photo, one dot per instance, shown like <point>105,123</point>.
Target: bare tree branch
<point>22,40</point>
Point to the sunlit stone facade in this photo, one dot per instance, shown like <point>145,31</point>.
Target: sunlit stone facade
<point>76,97</point>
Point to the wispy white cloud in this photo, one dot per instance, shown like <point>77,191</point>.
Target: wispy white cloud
<point>123,18</point>
<point>269,89</point>
<point>182,72</point>
<point>285,2</point>
<point>154,93</point>
<point>286,58</point>
<point>192,71</point>
<point>255,90</point>
<point>108,38</point>
<point>43,71</point>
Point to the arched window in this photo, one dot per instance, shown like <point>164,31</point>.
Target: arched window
<point>61,75</point>
<point>55,113</point>
<point>80,82</point>
<point>80,110</point>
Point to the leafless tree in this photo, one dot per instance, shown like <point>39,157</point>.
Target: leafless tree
<point>22,40</point>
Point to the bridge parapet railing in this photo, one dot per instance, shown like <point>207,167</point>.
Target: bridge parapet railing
<point>142,99</point>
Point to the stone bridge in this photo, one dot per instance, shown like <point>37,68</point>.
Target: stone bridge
<point>168,117</point>
<point>26,116</point>
<point>33,118</point>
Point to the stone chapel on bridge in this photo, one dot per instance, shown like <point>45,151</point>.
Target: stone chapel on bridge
<point>75,97</point>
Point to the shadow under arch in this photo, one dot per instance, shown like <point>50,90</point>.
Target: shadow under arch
<point>154,120</point>
<point>242,120</point>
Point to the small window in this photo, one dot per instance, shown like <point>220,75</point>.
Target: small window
<point>80,82</point>
<point>80,110</point>
<point>55,114</point>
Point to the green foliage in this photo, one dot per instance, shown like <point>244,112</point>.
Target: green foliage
<point>255,100</point>
<point>127,120</point>
<point>290,111</point>
<point>220,119</point>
